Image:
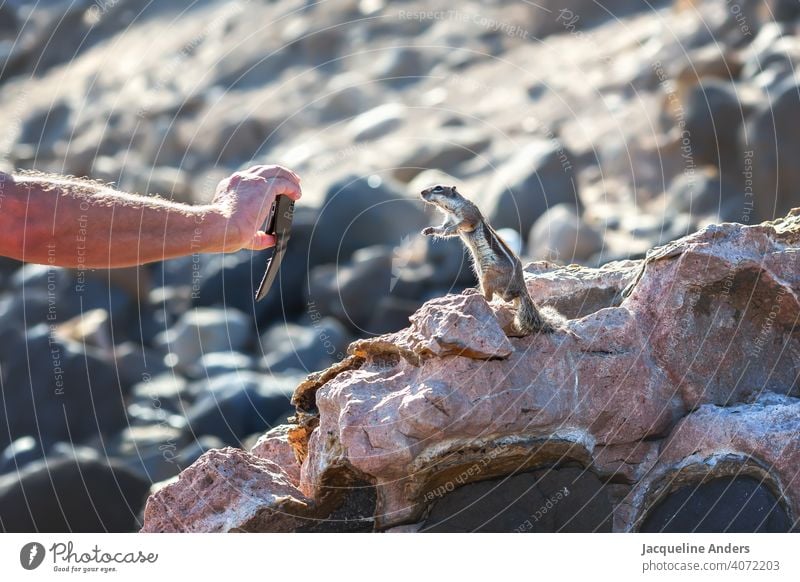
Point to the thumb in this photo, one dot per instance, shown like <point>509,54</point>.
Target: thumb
<point>261,241</point>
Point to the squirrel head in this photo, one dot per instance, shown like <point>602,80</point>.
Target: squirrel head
<point>441,195</point>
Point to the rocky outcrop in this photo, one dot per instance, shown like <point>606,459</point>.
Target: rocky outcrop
<point>677,369</point>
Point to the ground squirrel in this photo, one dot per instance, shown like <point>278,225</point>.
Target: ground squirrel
<point>498,268</point>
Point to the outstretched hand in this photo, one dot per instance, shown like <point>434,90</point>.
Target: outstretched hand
<point>246,198</point>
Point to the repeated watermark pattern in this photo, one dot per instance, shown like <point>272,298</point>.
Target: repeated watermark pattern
<point>489,23</point>
<point>570,21</point>
<point>542,511</point>
<point>467,475</point>
<point>169,71</point>
<point>678,112</point>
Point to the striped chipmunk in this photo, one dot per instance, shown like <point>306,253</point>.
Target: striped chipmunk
<point>498,268</point>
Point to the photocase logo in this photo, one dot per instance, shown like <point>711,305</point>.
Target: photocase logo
<point>31,555</point>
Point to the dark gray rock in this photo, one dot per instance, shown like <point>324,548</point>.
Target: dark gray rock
<point>304,349</point>
<point>708,195</point>
<point>233,406</point>
<point>771,145</point>
<point>401,65</point>
<point>40,294</point>
<point>72,451</point>
<point>218,363</point>
<point>377,122</point>
<point>536,178</point>
<point>727,504</point>
<point>7,266</point>
<point>9,25</point>
<point>347,95</point>
<point>136,363</point>
<point>19,453</point>
<point>714,114</point>
<point>314,43</point>
<point>232,140</point>
<point>72,495</point>
<point>445,150</point>
<point>780,10</point>
<point>450,263</point>
<point>551,500</point>
<point>554,17</point>
<point>560,234</point>
<point>59,32</point>
<point>56,389</point>
<point>771,64</point>
<point>352,293</point>
<point>205,330</point>
<point>150,451</point>
<point>43,128</point>
<point>392,314</point>
<point>146,414</point>
<point>359,212</point>
<point>165,391</point>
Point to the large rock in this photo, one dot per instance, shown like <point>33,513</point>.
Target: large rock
<point>726,443</point>
<point>8,22</point>
<point>304,348</point>
<point>553,17</point>
<point>377,290</point>
<point>206,330</point>
<point>52,295</point>
<point>682,371</point>
<point>72,495</point>
<point>705,194</point>
<point>19,453</point>
<point>560,234</point>
<point>358,212</point>
<point>770,144</point>
<point>235,405</point>
<point>713,115</point>
<point>57,389</point>
<point>377,122</point>
<point>351,293</point>
<point>227,489</point>
<point>553,500</point>
<point>538,177</point>
<point>445,150</point>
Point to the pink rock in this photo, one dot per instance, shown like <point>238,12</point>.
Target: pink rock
<point>719,309</point>
<point>678,340</point>
<point>661,372</point>
<point>758,439</point>
<point>457,325</point>
<point>227,490</point>
<point>274,446</point>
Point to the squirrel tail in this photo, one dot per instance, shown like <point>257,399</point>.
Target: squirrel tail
<point>531,319</point>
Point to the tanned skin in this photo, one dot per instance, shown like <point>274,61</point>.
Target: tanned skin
<point>74,222</point>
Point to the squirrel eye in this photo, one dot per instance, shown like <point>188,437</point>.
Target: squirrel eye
<point>438,189</point>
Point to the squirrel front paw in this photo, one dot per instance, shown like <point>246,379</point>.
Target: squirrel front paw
<point>471,291</point>
<point>428,231</point>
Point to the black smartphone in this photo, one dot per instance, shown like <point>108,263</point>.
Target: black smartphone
<point>279,224</point>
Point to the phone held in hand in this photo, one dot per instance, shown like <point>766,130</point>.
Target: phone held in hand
<point>280,226</point>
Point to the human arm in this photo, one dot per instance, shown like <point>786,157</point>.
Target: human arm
<point>78,223</point>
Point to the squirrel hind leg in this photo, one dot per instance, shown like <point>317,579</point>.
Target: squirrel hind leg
<point>530,319</point>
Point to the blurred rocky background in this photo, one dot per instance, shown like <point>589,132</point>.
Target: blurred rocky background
<point>587,131</point>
